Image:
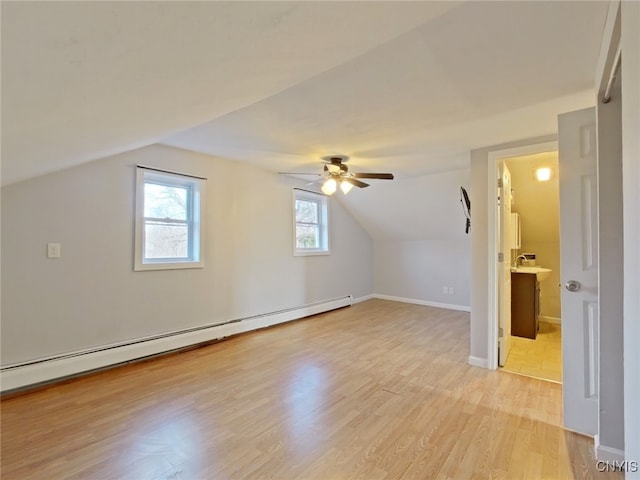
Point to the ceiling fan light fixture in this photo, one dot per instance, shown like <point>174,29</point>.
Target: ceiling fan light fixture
<point>329,187</point>
<point>345,186</point>
<point>334,172</point>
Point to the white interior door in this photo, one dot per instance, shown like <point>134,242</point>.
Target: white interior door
<point>504,268</point>
<point>579,268</point>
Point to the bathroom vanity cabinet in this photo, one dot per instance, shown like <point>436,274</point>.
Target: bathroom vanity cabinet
<point>525,304</point>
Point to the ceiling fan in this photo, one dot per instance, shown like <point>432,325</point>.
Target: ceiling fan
<point>335,172</point>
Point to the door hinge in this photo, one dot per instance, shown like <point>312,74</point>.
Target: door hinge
<point>500,183</point>
<point>500,257</point>
<point>500,332</point>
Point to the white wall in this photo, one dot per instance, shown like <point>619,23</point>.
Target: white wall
<point>610,271</point>
<point>418,270</point>
<point>419,241</point>
<point>631,217</point>
<point>92,297</point>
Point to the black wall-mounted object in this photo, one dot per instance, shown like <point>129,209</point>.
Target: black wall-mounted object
<point>466,208</point>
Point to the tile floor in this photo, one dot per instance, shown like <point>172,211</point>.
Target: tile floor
<point>539,358</point>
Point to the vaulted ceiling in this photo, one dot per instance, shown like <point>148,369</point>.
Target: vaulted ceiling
<point>405,87</point>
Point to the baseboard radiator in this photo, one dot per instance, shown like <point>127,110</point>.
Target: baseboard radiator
<point>21,375</point>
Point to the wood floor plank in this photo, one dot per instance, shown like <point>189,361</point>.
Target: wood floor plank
<point>380,390</point>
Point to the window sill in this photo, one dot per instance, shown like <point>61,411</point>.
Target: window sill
<point>310,253</point>
<point>141,267</point>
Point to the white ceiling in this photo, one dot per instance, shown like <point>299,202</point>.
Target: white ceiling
<point>402,87</point>
<point>83,80</point>
<point>418,103</point>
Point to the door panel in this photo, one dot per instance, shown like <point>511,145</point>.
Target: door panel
<point>588,195</point>
<point>579,262</point>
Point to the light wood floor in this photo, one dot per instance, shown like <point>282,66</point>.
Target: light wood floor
<point>539,358</point>
<point>380,390</point>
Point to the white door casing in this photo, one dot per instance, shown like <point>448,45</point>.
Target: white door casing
<point>504,270</point>
<point>577,156</point>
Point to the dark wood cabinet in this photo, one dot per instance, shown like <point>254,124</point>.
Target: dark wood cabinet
<point>525,304</point>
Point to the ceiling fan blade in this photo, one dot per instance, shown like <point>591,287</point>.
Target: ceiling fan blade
<point>355,183</point>
<point>379,176</point>
<point>299,173</point>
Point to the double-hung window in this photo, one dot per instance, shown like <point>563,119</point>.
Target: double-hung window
<point>169,221</point>
<point>311,219</point>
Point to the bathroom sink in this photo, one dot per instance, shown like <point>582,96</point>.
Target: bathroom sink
<point>540,272</point>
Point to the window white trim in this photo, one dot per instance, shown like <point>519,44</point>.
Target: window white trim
<point>323,223</point>
<point>194,222</point>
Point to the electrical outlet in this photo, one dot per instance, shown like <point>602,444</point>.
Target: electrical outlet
<point>444,290</point>
<point>450,290</point>
<point>53,250</point>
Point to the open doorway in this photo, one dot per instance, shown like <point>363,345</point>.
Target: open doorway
<point>499,254</point>
<point>531,249</point>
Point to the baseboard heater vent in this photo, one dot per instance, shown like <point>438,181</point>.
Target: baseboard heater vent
<point>24,374</point>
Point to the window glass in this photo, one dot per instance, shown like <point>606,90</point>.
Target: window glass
<point>163,240</point>
<point>307,236</point>
<point>164,201</point>
<point>306,211</point>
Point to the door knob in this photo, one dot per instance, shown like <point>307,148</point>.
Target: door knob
<point>572,285</point>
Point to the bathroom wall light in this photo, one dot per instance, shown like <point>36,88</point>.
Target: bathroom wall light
<point>543,174</point>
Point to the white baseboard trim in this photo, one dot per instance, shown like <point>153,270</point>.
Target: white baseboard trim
<point>363,299</point>
<point>555,320</point>
<point>478,362</point>
<point>45,370</point>
<point>448,306</point>
<point>607,454</point>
